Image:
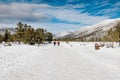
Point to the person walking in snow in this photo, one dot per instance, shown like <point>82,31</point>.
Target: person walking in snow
<point>54,43</point>
<point>58,43</point>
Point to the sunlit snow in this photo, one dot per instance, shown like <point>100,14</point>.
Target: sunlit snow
<point>73,61</point>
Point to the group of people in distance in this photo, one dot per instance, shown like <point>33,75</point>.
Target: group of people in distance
<point>56,42</point>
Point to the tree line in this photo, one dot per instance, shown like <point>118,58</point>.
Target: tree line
<point>27,34</point>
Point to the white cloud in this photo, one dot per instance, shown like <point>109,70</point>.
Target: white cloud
<point>100,3</point>
<point>43,13</point>
<point>112,10</point>
<point>57,27</point>
<point>76,16</point>
<point>71,6</point>
<point>23,11</point>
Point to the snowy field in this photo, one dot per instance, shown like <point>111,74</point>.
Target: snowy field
<point>73,61</point>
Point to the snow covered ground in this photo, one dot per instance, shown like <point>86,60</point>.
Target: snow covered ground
<point>73,61</point>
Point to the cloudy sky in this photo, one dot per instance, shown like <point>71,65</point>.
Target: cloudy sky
<point>57,15</point>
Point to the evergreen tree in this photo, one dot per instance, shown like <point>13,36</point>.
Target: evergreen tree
<point>40,35</point>
<point>20,32</point>
<point>112,35</point>
<point>6,36</point>
<point>29,35</point>
<point>1,38</point>
<point>118,30</point>
<point>49,37</point>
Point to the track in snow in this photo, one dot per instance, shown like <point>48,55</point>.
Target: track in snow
<point>65,62</point>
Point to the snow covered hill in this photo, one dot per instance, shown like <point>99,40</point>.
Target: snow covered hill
<point>64,62</point>
<point>61,34</point>
<point>97,30</point>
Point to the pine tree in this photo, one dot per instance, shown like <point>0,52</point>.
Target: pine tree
<point>29,35</point>
<point>49,37</point>
<point>1,38</point>
<point>40,35</point>
<point>20,32</point>
<point>118,30</point>
<point>6,36</point>
<point>111,36</point>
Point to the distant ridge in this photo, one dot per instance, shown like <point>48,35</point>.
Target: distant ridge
<point>97,30</point>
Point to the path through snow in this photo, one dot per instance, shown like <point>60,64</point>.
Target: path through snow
<point>74,61</point>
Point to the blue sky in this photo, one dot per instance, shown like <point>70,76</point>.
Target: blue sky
<point>57,15</point>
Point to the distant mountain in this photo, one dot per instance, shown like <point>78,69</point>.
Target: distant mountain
<point>62,34</point>
<point>2,30</point>
<point>97,30</point>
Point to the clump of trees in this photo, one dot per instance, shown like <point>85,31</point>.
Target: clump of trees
<point>112,35</point>
<point>27,35</point>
